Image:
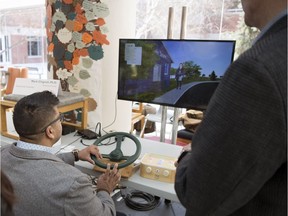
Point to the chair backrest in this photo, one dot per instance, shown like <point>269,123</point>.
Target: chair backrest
<point>13,73</point>
<point>139,108</point>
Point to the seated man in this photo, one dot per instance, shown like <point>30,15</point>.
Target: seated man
<point>48,184</point>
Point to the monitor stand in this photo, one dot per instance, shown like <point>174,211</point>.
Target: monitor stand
<point>164,122</point>
<point>175,125</point>
<point>176,110</point>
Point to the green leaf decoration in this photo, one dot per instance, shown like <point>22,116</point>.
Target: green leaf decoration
<point>71,47</point>
<point>72,80</point>
<point>83,74</point>
<point>85,93</point>
<point>87,62</point>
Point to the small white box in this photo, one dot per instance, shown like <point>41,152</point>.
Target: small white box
<point>158,167</point>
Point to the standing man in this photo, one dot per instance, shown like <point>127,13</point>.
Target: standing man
<point>48,184</point>
<point>238,162</point>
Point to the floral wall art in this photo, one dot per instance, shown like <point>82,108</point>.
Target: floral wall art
<point>76,34</point>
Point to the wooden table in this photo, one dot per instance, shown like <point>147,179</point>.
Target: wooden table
<point>6,105</point>
<point>136,117</point>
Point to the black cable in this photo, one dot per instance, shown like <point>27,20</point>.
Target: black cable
<point>150,202</point>
<point>99,130</point>
<point>107,143</point>
<point>84,143</point>
<point>63,147</point>
<point>115,115</point>
<point>99,144</point>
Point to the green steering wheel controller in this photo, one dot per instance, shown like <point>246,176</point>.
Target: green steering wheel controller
<point>117,155</point>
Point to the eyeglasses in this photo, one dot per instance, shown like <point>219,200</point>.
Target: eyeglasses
<point>60,117</point>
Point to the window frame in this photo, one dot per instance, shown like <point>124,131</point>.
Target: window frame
<point>5,52</point>
<point>36,41</point>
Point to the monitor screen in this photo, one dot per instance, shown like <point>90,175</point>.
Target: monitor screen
<point>176,73</point>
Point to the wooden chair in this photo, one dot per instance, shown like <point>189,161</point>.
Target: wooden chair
<point>13,73</point>
<point>137,115</point>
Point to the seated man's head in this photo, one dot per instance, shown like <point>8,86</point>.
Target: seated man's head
<point>37,120</point>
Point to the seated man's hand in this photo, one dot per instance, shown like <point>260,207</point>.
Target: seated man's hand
<point>84,154</point>
<point>109,180</point>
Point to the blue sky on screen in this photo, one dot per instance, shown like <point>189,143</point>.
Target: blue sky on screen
<point>210,55</point>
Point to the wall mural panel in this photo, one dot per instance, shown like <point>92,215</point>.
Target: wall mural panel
<point>76,34</point>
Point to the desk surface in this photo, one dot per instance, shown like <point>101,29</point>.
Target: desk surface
<point>161,189</point>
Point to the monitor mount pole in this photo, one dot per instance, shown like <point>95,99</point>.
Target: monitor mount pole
<point>164,108</point>
<point>177,110</point>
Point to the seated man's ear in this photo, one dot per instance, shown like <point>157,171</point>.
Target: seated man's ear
<point>50,132</point>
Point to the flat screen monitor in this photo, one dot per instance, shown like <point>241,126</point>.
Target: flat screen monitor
<point>175,73</point>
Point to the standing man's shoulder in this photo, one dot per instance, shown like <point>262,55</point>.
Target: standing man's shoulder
<point>271,46</point>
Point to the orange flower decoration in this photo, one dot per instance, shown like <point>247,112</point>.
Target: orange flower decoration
<point>75,61</point>
<point>100,22</point>
<point>81,18</point>
<point>49,35</point>
<point>51,47</point>
<point>77,26</point>
<point>78,8</point>
<point>68,65</point>
<point>86,37</point>
<point>83,52</point>
<point>68,1</point>
<point>76,53</point>
<point>100,38</point>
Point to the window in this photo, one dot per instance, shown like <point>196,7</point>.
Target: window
<point>4,49</point>
<point>206,19</point>
<point>34,46</point>
<point>157,73</point>
<point>166,69</point>
<point>22,37</point>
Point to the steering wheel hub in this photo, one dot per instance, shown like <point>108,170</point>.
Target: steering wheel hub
<point>117,155</point>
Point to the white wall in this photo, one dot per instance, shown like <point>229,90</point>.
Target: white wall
<point>121,24</point>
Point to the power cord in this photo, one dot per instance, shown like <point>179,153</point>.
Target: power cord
<point>99,130</point>
<point>115,114</point>
<point>85,144</point>
<point>99,144</point>
<point>63,147</point>
<point>150,201</point>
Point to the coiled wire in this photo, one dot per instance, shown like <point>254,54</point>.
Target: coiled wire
<point>151,201</point>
